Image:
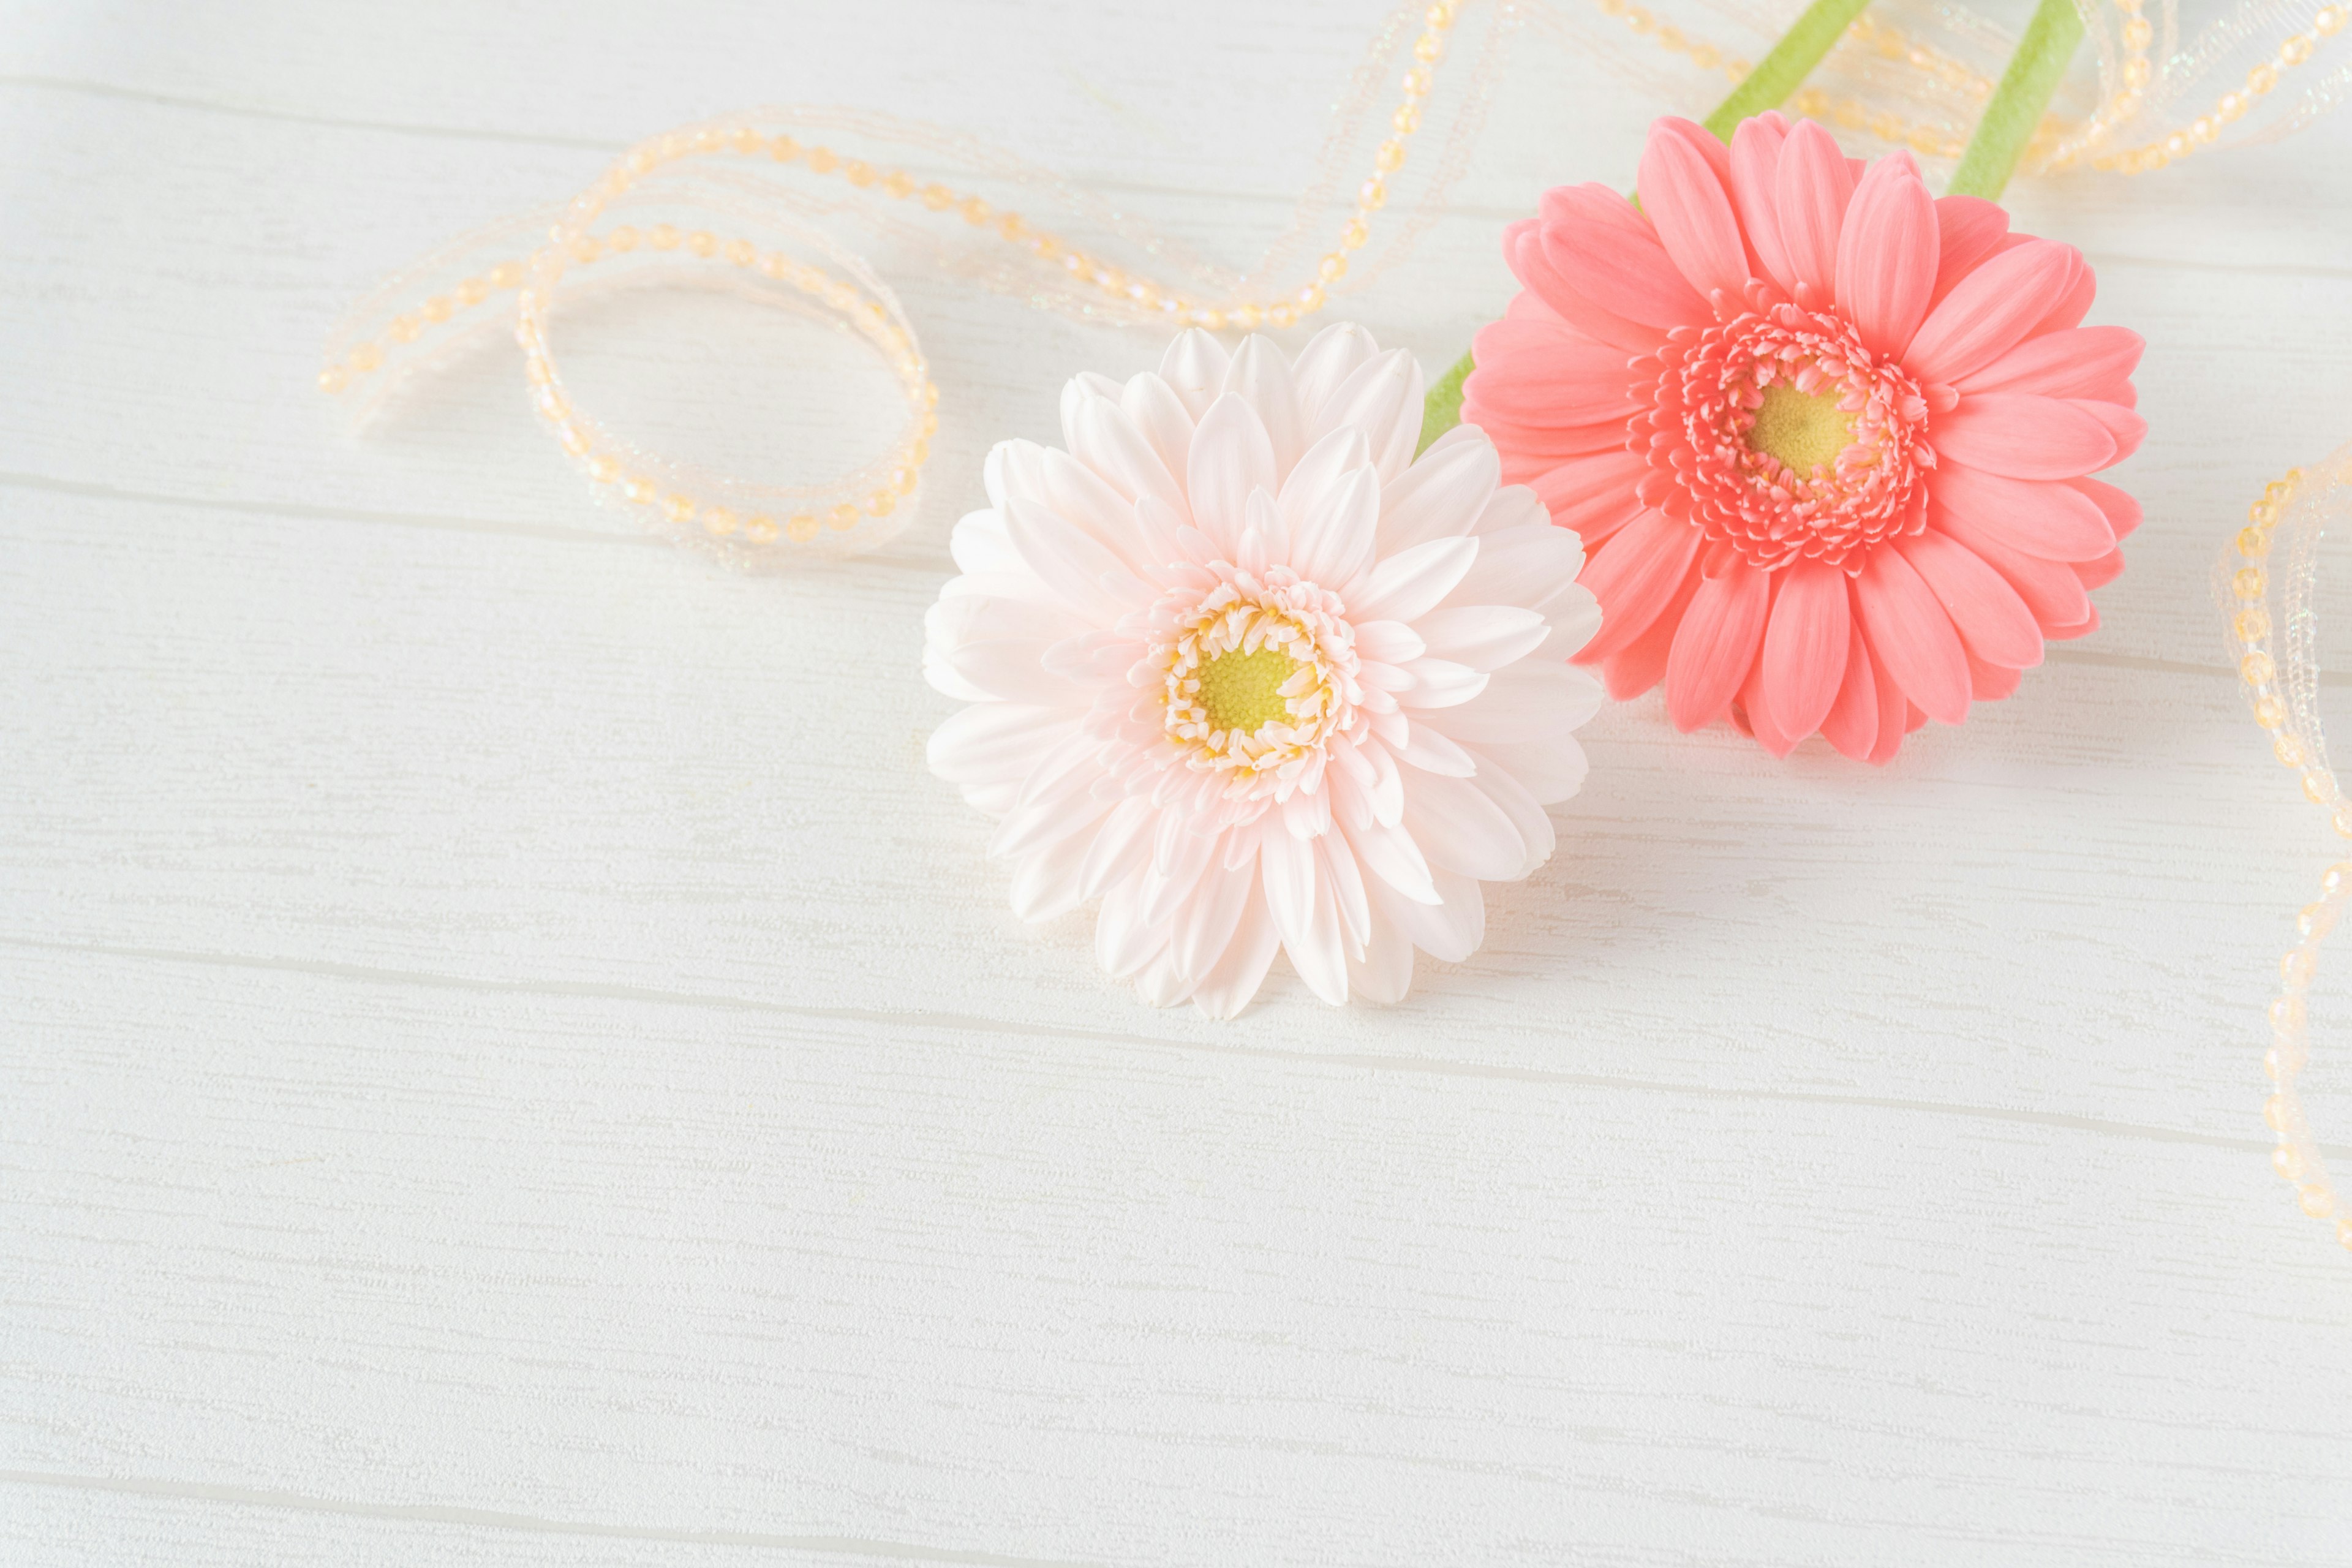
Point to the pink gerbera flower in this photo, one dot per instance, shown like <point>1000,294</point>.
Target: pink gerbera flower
<point>1827,438</point>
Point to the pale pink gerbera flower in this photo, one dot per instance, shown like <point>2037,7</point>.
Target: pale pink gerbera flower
<point>1826,437</point>
<point>1246,672</point>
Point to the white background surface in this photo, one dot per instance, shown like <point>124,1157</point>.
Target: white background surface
<point>507,1058</point>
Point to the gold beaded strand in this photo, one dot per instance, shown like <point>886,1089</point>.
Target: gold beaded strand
<point>2254,628</point>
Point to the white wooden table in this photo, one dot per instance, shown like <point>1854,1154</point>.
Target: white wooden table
<point>506,1057</point>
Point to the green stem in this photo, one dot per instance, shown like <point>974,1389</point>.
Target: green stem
<point>2014,111</point>
<point>1775,76</point>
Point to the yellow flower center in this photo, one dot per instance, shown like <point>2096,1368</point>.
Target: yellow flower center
<point>1803,430</point>
<point>1243,691</point>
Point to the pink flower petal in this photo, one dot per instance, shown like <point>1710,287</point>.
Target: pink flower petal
<point>1851,724</point>
<point>1441,496</point>
<point>1991,683</point>
<point>1460,828</point>
<point>1887,255</point>
<point>1382,397</point>
<point>1812,189</point>
<point>1993,620</point>
<point>2074,300</point>
<point>2123,514</point>
<point>1894,711</point>
<point>2085,362</point>
<point>1806,648</point>
<point>1910,635</point>
<point>1641,663</point>
<point>1609,254</point>
<point>2124,424</point>
<point>1684,198</point>
<point>1969,229</point>
<point>2100,573</point>
<point>1194,367</point>
<point>2024,437</point>
<point>2050,522</point>
<point>1753,714</point>
<point>1594,496</point>
<point>1633,576</point>
<point>1324,366</point>
<point>1989,311</point>
<point>1755,184</point>
<point>1334,541</point>
<point>1241,969</point>
<point>1547,291</point>
<point>1716,644</point>
<point>2051,589</point>
<point>1541,374</point>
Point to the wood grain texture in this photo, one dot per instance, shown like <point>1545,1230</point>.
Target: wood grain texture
<point>506,1056</point>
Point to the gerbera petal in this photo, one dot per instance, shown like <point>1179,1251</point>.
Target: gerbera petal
<point>1160,416</point>
<point>1550,292</point>
<point>1989,311</point>
<point>1208,919</point>
<point>1390,853</point>
<point>1686,203</point>
<point>1593,496</point>
<point>2100,573</point>
<point>1534,565</point>
<point>2052,522</point>
<point>2024,437</point>
<point>1811,191</point>
<point>1539,374</point>
<point>1991,683</point>
<point>1194,369</point>
<point>1450,928</point>
<point>1336,536</point>
<point>1529,700</point>
<point>1895,711</point>
<point>1851,724</point>
<point>1460,828</point>
<point>1609,254</point>
<point>1441,495</point>
<point>1240,970</point>
<point>1807,646</point>
<point>1384,973</point>
<point>1261,376</point>
<point>1324,366</point>
<point>1551,769</point>
<point>1911,637</point>
<point>1716,644</point>
<point>1114,448</point>
<point>1382,398</point>
<point>1887,255</point>
<point>1483,637</point>
<point>1079,569</point>
<point>2051,589</point>
<point>1408,584</point>
<point>1968,230</point>
<point>2123,424</point>
<point>2122,512</point>
<point>2081,362</point>
<point>989,741</point>
<point>1045,884</point>
<point>1232,456</point>
<point>1633,576</point>
<point>1755,189</point>
<point>1993,622</point>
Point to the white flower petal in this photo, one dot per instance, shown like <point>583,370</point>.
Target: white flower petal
<point>1448,929</point>
<point>1391,854</point>
<point>1158,416</point>
<point>1483,637</point>
<point>1081,571</point>
<point>1194,368</point>
<point>1515,506</point>
<point>1551,769</point>
<point>1433,751</point>
<point>1272,539</point>
<point>1345,878</point>
<point>1519,567</point>
<point>1384,973</point>
<point>1204,926</point>
<point>1056,800</point>
<point>1241,968</point>
<point>1339,453</point>
<point>1442,494</point>
<point>1012,672</point>
<point>1124,942</point>
<point>1324,366</point>
<point>1260,376</point>
<point>1159,983</point>
<point>1335,540</point>
<point>1045,884</point>
<point>992,741</point>
<point>1381,398</point>
<point>1105,440</point>
<point>979,544</point>
<point>1409,585</point>
<point>1391,642</point>
<point>1459,828</point>
<point>1231,457</point>
<point>1121,847</point>
<point>1528,701</point>
<point>1517,803</point>
<point>1316,949</point>
<point>1012,469</point>
<point>1441,683</point>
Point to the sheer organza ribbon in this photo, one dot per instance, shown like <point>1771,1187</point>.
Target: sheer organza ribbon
<point>759,204</point>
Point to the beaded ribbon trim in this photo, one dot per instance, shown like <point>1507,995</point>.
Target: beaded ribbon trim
<point>2265,583</point>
